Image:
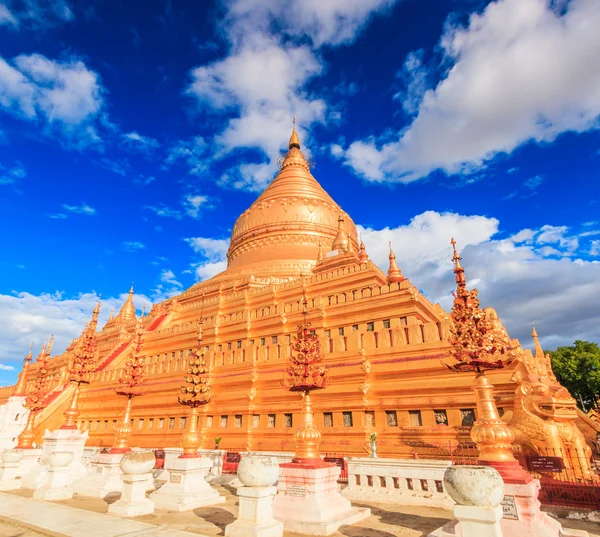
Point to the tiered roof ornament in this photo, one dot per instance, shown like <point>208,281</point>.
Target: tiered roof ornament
<point>394,274</point>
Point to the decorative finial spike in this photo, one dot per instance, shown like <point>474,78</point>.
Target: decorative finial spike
<point>294,138</point>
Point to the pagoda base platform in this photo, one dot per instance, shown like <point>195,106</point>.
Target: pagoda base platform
<point>309,501</point>
<point>255,518</point>
<point>187,488</point>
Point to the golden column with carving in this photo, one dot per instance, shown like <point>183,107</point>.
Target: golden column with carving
<point>35,400</point>
<point>81,367</point>
<point>306,373</point>
<point>194,394</point>
<point>130,382</point>
<point>479,344</point>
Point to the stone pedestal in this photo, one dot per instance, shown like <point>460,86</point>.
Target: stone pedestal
<point>308,500</point>
<point>9,469</point>
<point>13,418</point>
<point>104,477</point>
<point>59,440</point>
<point>55,487</point>
<point>532,521</point>
<point>133,500</point>
<point>255,518</point>
<point>186,488</point>
<point>479,521</point>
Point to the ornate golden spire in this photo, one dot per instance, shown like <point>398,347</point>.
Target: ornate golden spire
<point>50,343</point>
<point>362,252</point>
<point>20,388</point>
<point>458,270</point>
<point>341,239</point>
<point>294,139</point>
<point>127,312</point>
<point>478,340</point>
<point>94,322</point>
<point>394,274</point>
<point>536,341</point>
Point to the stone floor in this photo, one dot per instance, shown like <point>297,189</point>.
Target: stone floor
<point>8,529</point>
<point>387,520</point>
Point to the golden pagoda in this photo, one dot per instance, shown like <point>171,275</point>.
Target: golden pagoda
<point>293,251</point>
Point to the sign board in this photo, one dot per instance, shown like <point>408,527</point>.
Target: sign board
<point>175,478</point>
<point>295,490</point>
<point>233,457</point>
<point>509,508</point>
<point>545,464</point>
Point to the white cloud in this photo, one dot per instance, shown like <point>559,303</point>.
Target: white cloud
<point>137,142</point>
<point>533,182</point>
<point>193,203</point>
<point>521,71</point>
<point>6,17</point>
<point>214,254</point>
<point>334,22</point>
<point>133,246</point>
<point>164,211</point>
<point>191,153</point>
<point>35,13</point>
<point>512,274</point>
<point>82,208</point>
<point>595,248</point>
<point>4,367</point>
<point>64,96</point>
<point>416,81</point>
<point>262,82</point>
<point>26,318</point>
<point>12,175</point>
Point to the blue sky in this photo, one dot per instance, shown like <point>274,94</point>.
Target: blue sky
<point>132,134</point>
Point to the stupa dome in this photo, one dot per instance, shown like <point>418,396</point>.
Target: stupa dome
<point>280,234</point>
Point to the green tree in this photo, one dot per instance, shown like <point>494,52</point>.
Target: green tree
<point>578,369</point>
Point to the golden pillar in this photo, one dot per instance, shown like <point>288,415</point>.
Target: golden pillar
<point>306,373</point>
<point>493,437</point>
<point>133,376</point>
<point>194,394</point>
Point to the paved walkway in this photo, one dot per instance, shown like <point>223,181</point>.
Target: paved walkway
<point>86,517</point>
<point>60,520</point>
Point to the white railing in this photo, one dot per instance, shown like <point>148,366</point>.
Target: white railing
<point>398,481</point>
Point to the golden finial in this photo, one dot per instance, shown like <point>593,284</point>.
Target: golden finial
<point>341,239</point>
<point>294,139</point>
<point>362,251</point>
<point>20,388</point>
<point>458,270</point>
<point>49,349</point>
<point>394,274</point>
<point>143,310</point>
<point>539,352</point>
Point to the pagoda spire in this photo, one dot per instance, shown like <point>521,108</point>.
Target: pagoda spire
<point>459,271</point>
<point>20,388</point>
<point>341,239</point>
<point>49,348</point>
<point>539,353</point>
<point>394,274</point>
<point>362,252</point>
<point>294,138</point>
<point>127,312</point>
<point>94,322</point>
